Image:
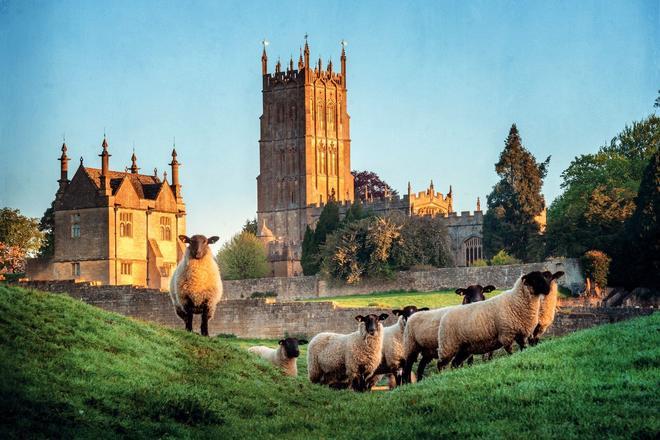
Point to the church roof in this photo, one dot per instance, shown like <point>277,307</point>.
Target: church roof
<point>146,187</point>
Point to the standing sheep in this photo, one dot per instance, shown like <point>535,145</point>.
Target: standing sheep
<point>547,309</point>
<point>485,326</point>
<point>394,357</point>
<point>335,359</point>
<point>421,332</point>
<point>283,357</point>
<point>196,286</point>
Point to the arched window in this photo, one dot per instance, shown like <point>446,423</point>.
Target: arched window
<point>320,115</point>
<point>165,231</point>
<point>122,230</point>
<point>125,225</point>
<point>331,118</point>
<point>473,250</point>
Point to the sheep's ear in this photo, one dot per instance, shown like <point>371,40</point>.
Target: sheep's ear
<point>383,316</point>
<point>557,275</point>
<point>184,239</point>
<point>460,291</point>
<point>213,239</point>
<point>422,309</point>
<point>302,341</point>
<point>547,274</point>
<point>281,342</point>
<point>489,288</point>
<point>397,312</point>
<point>359,318</point>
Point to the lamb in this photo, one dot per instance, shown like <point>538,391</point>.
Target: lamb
<point>336,360</point>
<point>485,326</point>
<point>283,357</point>
<point>196,286</point>
<point>394,358</point>
<point>421,332</point>
<point>547,309</point>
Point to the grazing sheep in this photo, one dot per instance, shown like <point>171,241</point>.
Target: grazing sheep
<point>547,309</point>
<point>485,326</point>
<point>394,358</point>
<point>283,357</point>
<point>196,286</point>
<point>339,360</point>
<point>421,333</point>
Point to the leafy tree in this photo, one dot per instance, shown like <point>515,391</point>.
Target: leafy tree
<point>599,196</point>
<point>244,256</point>
<point>424,242</point>
<point>250,226</point>
<point>371,182</point>
<point>515,201</point>
<point>20,231</point>
<point>327,224</point>
<point>47,228</point>
<point>596,266</point>
<point>502,258</point>
<point>643,230</point>
<point>12,259</point>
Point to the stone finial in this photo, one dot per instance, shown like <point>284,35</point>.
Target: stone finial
<point>478,204</point>
<point>134,168</point>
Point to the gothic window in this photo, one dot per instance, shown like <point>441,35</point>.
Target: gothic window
<point>320,115</point>
<point>331,118</point>
<point>75,226</point>
<point>126,224</point>
<point>473,250</point>
<point>166,228</point>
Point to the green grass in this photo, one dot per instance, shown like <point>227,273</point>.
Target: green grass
<point>71,370</point>
<point>391,300</point>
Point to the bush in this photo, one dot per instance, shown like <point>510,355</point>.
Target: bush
<point>596,266</point>
<point>424,242</point>
<point>263,295</point>
<point>244,256</point>
<point>502,258</point>
<point>480,263</point>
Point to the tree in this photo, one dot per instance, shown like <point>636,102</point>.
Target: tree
<point>596,266</point>
<point>20,231</point>
<point>327,224</point>
<point>47,228</point>
<point>368,181</point>
<point>424,242</point>
<point>12,259</point>
<point>643,230</point>
<point>599,197</point>
<point>502,258</point>
<point>250,226</point>
<point>515,201</point>
<point>244,256</point>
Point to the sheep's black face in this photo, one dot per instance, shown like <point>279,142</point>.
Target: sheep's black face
<point>474,293</point>
<point>539,282</point>
<point>408,311</point>
<point>198,245</point>
<point>371,322</point>
<point>291,346</point>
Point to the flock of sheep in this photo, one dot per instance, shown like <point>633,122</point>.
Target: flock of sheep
<point>361,359</point>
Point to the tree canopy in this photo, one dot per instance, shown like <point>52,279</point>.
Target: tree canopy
<point>242,257</point>
<point>19,230</point>
<point>313,239</point>
<point>369,182</point>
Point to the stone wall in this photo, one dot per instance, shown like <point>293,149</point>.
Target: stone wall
<point>426,281</point>
<point>259,318</point>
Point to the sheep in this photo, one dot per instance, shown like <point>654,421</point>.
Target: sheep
<point>338,360</point>
<point>421,332</point>
<point>196,286</point>
<point>485,326</point>
<point>283,357</point>
<point>393,359</point>
<point>547,309</point>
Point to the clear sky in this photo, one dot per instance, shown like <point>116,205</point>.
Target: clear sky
<point>433,88</point>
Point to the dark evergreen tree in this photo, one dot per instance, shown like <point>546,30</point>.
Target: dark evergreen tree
<point>355,212</point>
<point>308,259</point>
<point>47,227</point>
<point>643,230</point>
<point>250,226</point>
<point>514,202</point>
<point>327,224</point>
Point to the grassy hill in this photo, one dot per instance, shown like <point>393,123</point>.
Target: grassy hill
<point>71,370</point>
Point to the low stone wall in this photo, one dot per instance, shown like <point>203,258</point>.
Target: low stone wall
<point>260,318</point>
<point>426,281</point>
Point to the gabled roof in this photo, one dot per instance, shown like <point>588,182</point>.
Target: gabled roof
<point>146,187</point>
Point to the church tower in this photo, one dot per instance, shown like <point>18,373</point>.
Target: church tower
<point>304,152</point>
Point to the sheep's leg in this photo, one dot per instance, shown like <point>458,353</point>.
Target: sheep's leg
<point>205,320</point>
<point>521,340</point>
<point>189,316</point>
<point>422,366</point>
<point>487,356</point>
<point>508,348</point>
<point>407,368</point>
<point>443,361</point>
<point>460,358</point>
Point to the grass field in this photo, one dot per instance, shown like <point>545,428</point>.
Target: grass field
<point>74,371</point>
<point>391,300</point>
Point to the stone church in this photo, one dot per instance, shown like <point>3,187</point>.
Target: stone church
<point>305,160</point>
<point>115,227</point>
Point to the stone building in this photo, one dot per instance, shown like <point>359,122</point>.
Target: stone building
<point>305,160</point>
<point>115,227</point>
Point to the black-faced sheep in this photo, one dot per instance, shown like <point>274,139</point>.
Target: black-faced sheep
<point>421,333</point>
<point>196,286</point>
<point>394,357</point>
<point>284,356</point>
<point>485,326</point>
<point>335,359</point>
<point>547,309</point>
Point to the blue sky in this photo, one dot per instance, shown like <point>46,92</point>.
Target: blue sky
<point>433,88</point>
